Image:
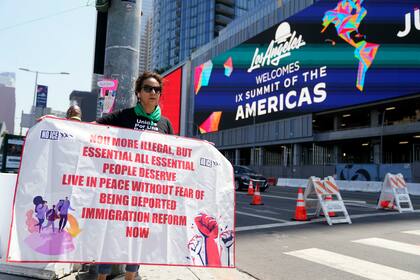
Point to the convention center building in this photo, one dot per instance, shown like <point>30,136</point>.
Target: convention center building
<point>305,88</point>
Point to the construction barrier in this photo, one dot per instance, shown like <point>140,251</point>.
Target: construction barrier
<point>394,194</point>
<point>329,199</point>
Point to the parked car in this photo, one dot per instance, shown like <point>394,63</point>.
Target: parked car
<point>244,174</point>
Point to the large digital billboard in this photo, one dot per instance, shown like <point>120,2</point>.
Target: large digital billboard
<point>170,101</point>
<point>333,54</point>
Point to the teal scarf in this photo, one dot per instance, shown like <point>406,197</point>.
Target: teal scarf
<point>154,116</point>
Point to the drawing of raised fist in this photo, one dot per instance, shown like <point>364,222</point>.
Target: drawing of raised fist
<point>209,228</point>
<point>195,245</point>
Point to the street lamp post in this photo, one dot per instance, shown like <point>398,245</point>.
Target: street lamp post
<point>36,79</point>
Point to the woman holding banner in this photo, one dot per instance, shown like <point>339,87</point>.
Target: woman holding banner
<point>146,115</point>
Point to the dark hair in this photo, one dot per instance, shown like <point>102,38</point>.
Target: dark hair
<point>74,112</point>
<point>146,75</point>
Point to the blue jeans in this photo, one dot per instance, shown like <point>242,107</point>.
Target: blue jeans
<point>105,268</point>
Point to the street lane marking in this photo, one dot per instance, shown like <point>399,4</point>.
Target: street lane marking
<point>294,198</point>
<point>247,228</point>
<point>352,265</point>
<point>267,211</point>
<point>283,209</point>
<point>355,201</point>
<point>261,217</point>
<point>272,196</point>
<point>286,224</point>
<point>415,232</point>
<point>262,211</point>
<point>391,245</point>
<point>280,197</point>
<point>380,214</point>
<point>362,204</point>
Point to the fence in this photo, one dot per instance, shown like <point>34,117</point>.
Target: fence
<point>346,172</point>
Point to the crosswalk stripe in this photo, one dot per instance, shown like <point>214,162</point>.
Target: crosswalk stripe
<point>391,245</point>
<point>415,232</point>
<point>354,266</point>
<point>261,217</point>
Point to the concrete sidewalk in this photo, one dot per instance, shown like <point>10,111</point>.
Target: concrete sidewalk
<point>151,272</point>
<point>155,272</point>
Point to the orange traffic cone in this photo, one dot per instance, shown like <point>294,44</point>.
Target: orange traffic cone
<point>256,199</point>
<point>328,197</point>
<point>300,212</point>
<point>250,188</point>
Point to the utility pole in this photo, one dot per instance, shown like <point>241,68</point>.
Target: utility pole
<point>122,54</point>
<point>122,49</point>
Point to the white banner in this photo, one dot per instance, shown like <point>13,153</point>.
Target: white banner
<point>121,196</point>
<point>7,187</point>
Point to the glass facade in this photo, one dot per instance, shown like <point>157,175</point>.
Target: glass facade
<point>196,28</point>
<point>166,29</point>
<point>181,27</point>
<point>145,55</point>
<point>252,17</point>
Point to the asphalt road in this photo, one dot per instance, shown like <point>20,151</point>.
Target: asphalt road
<point>375,246</point>
<point>280,203</point>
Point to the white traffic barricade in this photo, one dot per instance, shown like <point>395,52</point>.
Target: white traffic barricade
<point>394,194</point>
<point>329,199</point>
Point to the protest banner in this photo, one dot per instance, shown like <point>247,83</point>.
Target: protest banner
<point>121,196</point>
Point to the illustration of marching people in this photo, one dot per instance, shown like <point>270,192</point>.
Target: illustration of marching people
<point>63,207</point>
<point>51,216</point>
<point>41,208</point>
<point>42,213</point>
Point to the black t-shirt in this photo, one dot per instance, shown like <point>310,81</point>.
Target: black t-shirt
<point>127,118</point>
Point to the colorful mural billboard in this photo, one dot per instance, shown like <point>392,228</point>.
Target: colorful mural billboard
<point>333,54</point>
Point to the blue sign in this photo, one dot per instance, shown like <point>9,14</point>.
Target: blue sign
<point>41,96</point>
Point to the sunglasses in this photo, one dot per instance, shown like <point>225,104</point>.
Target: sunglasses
<point>149,89</point>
